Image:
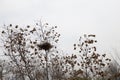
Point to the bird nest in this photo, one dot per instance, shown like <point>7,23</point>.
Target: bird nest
<point>45,46</point>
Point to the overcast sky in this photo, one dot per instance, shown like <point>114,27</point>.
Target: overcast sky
<point>73,18</point>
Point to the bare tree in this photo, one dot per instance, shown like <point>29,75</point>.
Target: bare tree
<point>24,46</point>
<point>92,63</point>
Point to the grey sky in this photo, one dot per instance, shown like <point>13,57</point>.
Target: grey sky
<point>73,17</point>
